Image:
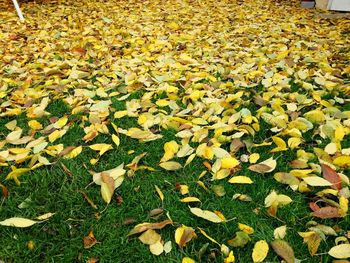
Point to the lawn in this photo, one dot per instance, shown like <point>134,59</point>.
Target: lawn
<point>226,124</point>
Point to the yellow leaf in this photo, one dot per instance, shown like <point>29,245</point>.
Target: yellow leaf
<point>11,125</point>
<point>240,180</point>
<point>254,157</point>
<point>344,205</point>
<point>261,248</point>
<point>316,181</point>
<point>116,139</point>
<point>173,26</point>
<point>315,116</point>
<point>149,237</point>
<point>170,149</point>
<point>61,122</point>
<point>101,147</point>
<point>230,258</point>
<point>331,148</point>
<point>74,153</point>
<point>45,216</point>
<point>223,173</point>
<point>207,236</point>
<point>189,199</point>
<point>339,133</point>
<point>14,136</point>
<point>188,260</point>
<point>35,125</point>
<point>341,251</point>
<point>183,235</point>
<point>207,215</point>
<point>157,248</point>
<point>15,173</point>
<point>281,145</point>
<point>190,159</point>
<point>55,135</point>
<point>107,187</point>
<point>245,228</point>
<point>342,161</point>
<point>294,142</point>
<point>280,232</point>
<point>229,163</point>
<point>18,222</point>
<point>170,166</point>
<point>159,192</point>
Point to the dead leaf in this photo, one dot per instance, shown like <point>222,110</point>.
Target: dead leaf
<point>284,250</point>
<point>89,241</point>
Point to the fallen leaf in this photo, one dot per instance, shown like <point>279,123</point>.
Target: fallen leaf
<point>170,166</point>
<point>149,237</point>
<point>207,215</point>
<point>284,250</point>
<point>18,222</point>
<point>240,180</point>
<point>89,241</point>
<point>183,235</point>
<point>261,248</point>
<point>331,176</point>
<point>159,192</point>
<point>341,251</point>
<point>145,226</point>
<point>266,166</point>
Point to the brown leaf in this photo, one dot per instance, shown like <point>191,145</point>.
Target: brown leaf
<point>79,50</point>
<point>119,199</point>
<point>187,236</point>
<point>66,170</point>
<point>297,164</point>
<point>93,260</point>
<point>314,206</point>
<point>129,221</point>
<point>66,150</point>
<point>5,191</point>
<point>143,227</point>
<point>156,211</point>
<point>327,212</point>
<point>88,199</point>
<point>259,168</point>
<point>284,250</point>
<point>236,144</point>
<point>331,176</point>
<point>90,240</point>
<point>207,165</point>
<point>108,180</point>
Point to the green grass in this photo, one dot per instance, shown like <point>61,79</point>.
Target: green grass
<point>60,239</point>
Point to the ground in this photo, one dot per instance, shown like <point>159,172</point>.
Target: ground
<point>199,92</point>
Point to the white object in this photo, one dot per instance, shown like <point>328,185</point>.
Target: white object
<point>339,5</point>
<point>18,10</point>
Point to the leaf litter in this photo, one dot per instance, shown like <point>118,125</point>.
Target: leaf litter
<point>220,79</point>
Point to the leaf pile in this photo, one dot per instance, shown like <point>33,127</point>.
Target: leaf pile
<point>241,85</point>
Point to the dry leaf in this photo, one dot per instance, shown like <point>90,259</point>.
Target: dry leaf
<point>284,250</point>
<point>18,222</point>
<point>266,166</point>
<point>89,241</point>
<point>183,235</point>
